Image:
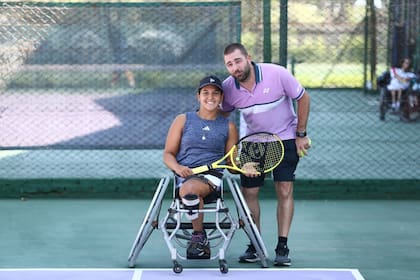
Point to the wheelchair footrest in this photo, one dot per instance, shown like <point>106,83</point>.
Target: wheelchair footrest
<point>205,225</point>
<point>204,257</point>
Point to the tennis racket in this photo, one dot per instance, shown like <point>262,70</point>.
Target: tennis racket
<point>259,152</point>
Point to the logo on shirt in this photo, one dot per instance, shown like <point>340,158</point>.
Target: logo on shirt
<point>266,90</point>
<point>204,136</point>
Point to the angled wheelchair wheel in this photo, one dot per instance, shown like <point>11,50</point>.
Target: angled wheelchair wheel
<point>150,222</point>
<point>247,222</point>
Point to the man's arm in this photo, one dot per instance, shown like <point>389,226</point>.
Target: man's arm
<point>303,105</point>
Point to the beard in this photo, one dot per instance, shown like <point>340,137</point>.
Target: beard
<point>242,76</point>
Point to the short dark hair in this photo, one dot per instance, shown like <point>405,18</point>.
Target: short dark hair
<point>233,47</point>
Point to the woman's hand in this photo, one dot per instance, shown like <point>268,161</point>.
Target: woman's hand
<point>183,171</point>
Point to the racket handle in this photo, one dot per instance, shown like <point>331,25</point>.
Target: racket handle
<point>200,169</point>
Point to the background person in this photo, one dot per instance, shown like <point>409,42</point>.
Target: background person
<point>400,81</point>
<point>264,94</point>
<point>119,48</point>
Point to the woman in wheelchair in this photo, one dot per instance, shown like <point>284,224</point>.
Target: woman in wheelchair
<point>194,139</point>
<point>400,80</point>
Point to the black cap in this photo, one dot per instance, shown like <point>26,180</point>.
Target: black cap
<point>210,80</point>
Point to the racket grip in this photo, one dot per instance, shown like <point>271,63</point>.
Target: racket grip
<point>200,169</point>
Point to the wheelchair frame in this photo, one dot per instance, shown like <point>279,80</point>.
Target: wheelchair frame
<point>176,229</point>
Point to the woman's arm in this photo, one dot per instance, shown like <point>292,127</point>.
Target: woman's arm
<point>173,142</point>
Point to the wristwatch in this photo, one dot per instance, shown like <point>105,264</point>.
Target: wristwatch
<point>301,133</point>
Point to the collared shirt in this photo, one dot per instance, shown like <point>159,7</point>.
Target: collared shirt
<point>269,105</point>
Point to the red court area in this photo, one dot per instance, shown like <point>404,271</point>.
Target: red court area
<point>187,274</point>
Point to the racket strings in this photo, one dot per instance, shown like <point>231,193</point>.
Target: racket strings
<point>262,152</point>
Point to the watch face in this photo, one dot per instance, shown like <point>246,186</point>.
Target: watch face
<point>300,133</point>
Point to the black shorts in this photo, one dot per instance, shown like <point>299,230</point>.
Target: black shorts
<point>285,172</point>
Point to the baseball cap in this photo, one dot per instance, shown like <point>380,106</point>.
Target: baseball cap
<point>210,80</point>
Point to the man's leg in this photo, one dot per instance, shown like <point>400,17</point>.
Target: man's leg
<point>284,176</point>
<point>251,198</point>
<point>285,211</point>
<point>285,207</point>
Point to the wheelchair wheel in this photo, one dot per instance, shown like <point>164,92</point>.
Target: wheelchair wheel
<point>149,224</point>
<point>383,104</point>
<point>177,267</point>
<point>223,266</point>
<point>411,108</point>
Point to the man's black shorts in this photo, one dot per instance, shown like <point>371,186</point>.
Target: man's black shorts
<point>285,172</point>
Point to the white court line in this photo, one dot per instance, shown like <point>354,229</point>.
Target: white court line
<point>10,153</point>
<point>357,274</point>
<point>137,274</point>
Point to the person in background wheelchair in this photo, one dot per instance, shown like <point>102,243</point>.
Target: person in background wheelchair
<point>396,87</point>
<point>400,81</point>
<point>195,139</point>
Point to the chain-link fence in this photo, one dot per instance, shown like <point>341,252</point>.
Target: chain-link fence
<point>88,90</point>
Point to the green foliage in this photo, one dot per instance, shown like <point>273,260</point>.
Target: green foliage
<point>318,75</point>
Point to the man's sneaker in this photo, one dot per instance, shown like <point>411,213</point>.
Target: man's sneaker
<point>198,247</point>
<point>249,256</point>
<point>282,256</point>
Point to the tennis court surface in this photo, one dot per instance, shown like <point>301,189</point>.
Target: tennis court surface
<point>45,239</point>
<point>164,274</point>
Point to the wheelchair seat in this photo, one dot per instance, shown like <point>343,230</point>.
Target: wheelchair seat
<point>220,224</point>
<point>211,198</point>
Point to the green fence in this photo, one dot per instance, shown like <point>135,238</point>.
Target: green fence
<point>88,90</point>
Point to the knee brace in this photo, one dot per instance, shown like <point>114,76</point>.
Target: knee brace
<point>192,203</point>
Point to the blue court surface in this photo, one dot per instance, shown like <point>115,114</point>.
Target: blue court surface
<point>193,274</point>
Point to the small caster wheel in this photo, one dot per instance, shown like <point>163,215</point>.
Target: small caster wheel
<point>223,266</point>
<point>177,267</point>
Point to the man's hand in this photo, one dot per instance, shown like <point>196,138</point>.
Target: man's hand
<point>250,169</point>
<point>302,145</point>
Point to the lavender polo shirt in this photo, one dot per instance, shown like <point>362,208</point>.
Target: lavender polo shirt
<point>269,106</point>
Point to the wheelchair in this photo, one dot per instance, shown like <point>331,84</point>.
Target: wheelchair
<point>177,230</point>
<point>409,103</point>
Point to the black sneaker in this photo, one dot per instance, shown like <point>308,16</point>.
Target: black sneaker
<point>282,256</point>
<point>250,255</point>
<point>198,247</point>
